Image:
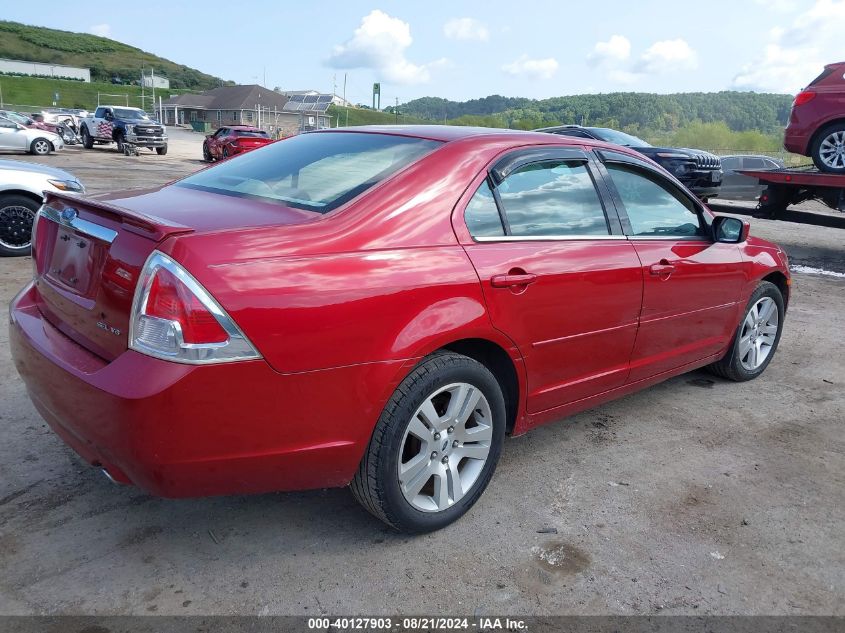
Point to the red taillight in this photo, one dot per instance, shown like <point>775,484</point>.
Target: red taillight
<point>803,97</point>
<point>171,300</point>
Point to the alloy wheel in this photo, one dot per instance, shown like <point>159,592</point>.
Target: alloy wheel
<point>758,334</point>
<point>16,227</point>
<point>42,147</point>
<point>832,150</point>
<point>445,447</point>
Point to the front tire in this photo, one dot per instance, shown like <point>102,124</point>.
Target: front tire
<point>435,446</point>
<point>40,147</point>
<point>757,336</point>
<point>16,216</point>
<point>161,151</point>
<point>120,140</point>
<point>206,153</point>
<point>87,141</point>
<point>828,149</point>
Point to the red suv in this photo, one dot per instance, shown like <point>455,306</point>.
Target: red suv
<point>817,122</point>
<point>231,140</point>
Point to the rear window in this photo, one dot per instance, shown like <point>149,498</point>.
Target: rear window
<point>824,75</point>
<point>251,133</point>
<point>316,172</point>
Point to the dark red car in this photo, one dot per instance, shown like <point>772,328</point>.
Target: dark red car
<point>378,307</point>
<point>817,122</point>
<point>231,140</point>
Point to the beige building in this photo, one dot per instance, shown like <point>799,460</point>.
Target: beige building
<point>255,105</point>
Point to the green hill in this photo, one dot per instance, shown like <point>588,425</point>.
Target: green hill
<point>27,93</point>
<point>106,58</point>
<point>631,111</point>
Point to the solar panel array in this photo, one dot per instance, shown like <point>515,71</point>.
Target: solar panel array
<point>308,103</point>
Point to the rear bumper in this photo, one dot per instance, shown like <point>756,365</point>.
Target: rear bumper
<point>183,430</point>
<point>796,139</point>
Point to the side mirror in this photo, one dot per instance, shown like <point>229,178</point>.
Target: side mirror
<point>730,230</point>
<point>20,127</point>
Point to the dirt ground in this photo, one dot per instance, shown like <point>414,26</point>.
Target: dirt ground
<point>697,496</point>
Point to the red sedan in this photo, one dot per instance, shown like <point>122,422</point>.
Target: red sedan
<point>378,308</point>
<point>232,140</point>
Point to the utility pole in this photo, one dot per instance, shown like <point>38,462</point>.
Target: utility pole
<point>142,89</point>
<point>153,83</point>
<point>345,103</point>
<point>396,110</point>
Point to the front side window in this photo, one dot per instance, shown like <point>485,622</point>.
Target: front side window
<point>653,205</point>
<point>552,198</point>
<point>316,172</point>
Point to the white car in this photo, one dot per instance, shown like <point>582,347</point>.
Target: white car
<point>22,186</point>
<point>14,136</point>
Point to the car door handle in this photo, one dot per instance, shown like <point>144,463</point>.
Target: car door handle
<point>509,281</point>
<point>664,268</point>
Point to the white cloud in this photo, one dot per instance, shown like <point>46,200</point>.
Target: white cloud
<point>103,30</point>
<point>380,43</point>
<point>667,56</point>
<point>532,68</point>
<point>616,49</point>
<point>466,29</point>
<point>795,54</point>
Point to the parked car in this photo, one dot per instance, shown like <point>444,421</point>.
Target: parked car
<point>698,170</point>
<point>115,124</point>
<point>21,190</point>
<point>736,186</point>
<point>232,140</point>
<point>817,122</point>
<point>17,137</point>
<point>378,307</point>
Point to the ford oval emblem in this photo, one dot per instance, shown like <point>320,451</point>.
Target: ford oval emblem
<point>69,213</point>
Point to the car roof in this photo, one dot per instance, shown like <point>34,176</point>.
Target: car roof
<point>443,133</point>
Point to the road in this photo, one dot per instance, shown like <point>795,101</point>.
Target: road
<point>697,496</point>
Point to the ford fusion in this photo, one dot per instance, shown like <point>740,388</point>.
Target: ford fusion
<point>378,307</point>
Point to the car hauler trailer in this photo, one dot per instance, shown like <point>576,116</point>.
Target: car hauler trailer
<point>791,186</point>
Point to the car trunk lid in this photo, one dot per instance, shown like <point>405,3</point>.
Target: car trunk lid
<point>88,253</point>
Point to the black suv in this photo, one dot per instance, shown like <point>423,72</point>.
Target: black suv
<point>699,171</point>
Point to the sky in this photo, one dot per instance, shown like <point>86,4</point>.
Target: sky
<point>469,49</point>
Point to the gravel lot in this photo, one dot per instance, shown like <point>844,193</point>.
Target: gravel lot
<point>697,496</point>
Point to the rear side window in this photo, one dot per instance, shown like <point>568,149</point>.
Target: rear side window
<point>653,205</point>
<point>316,172</point>
<point>753,163</point>
<point>552,198</point>
<point>482,214</point>
<point>730,163</point>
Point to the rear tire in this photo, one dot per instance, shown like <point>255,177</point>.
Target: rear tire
<point>40,147</point>
<point>448,406</point>
<point>87,141</point>
<point>225,152</point>
<point>161,151</point>
<point>756,338</point>
<point>828,149</point>
<point>16,216</point>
